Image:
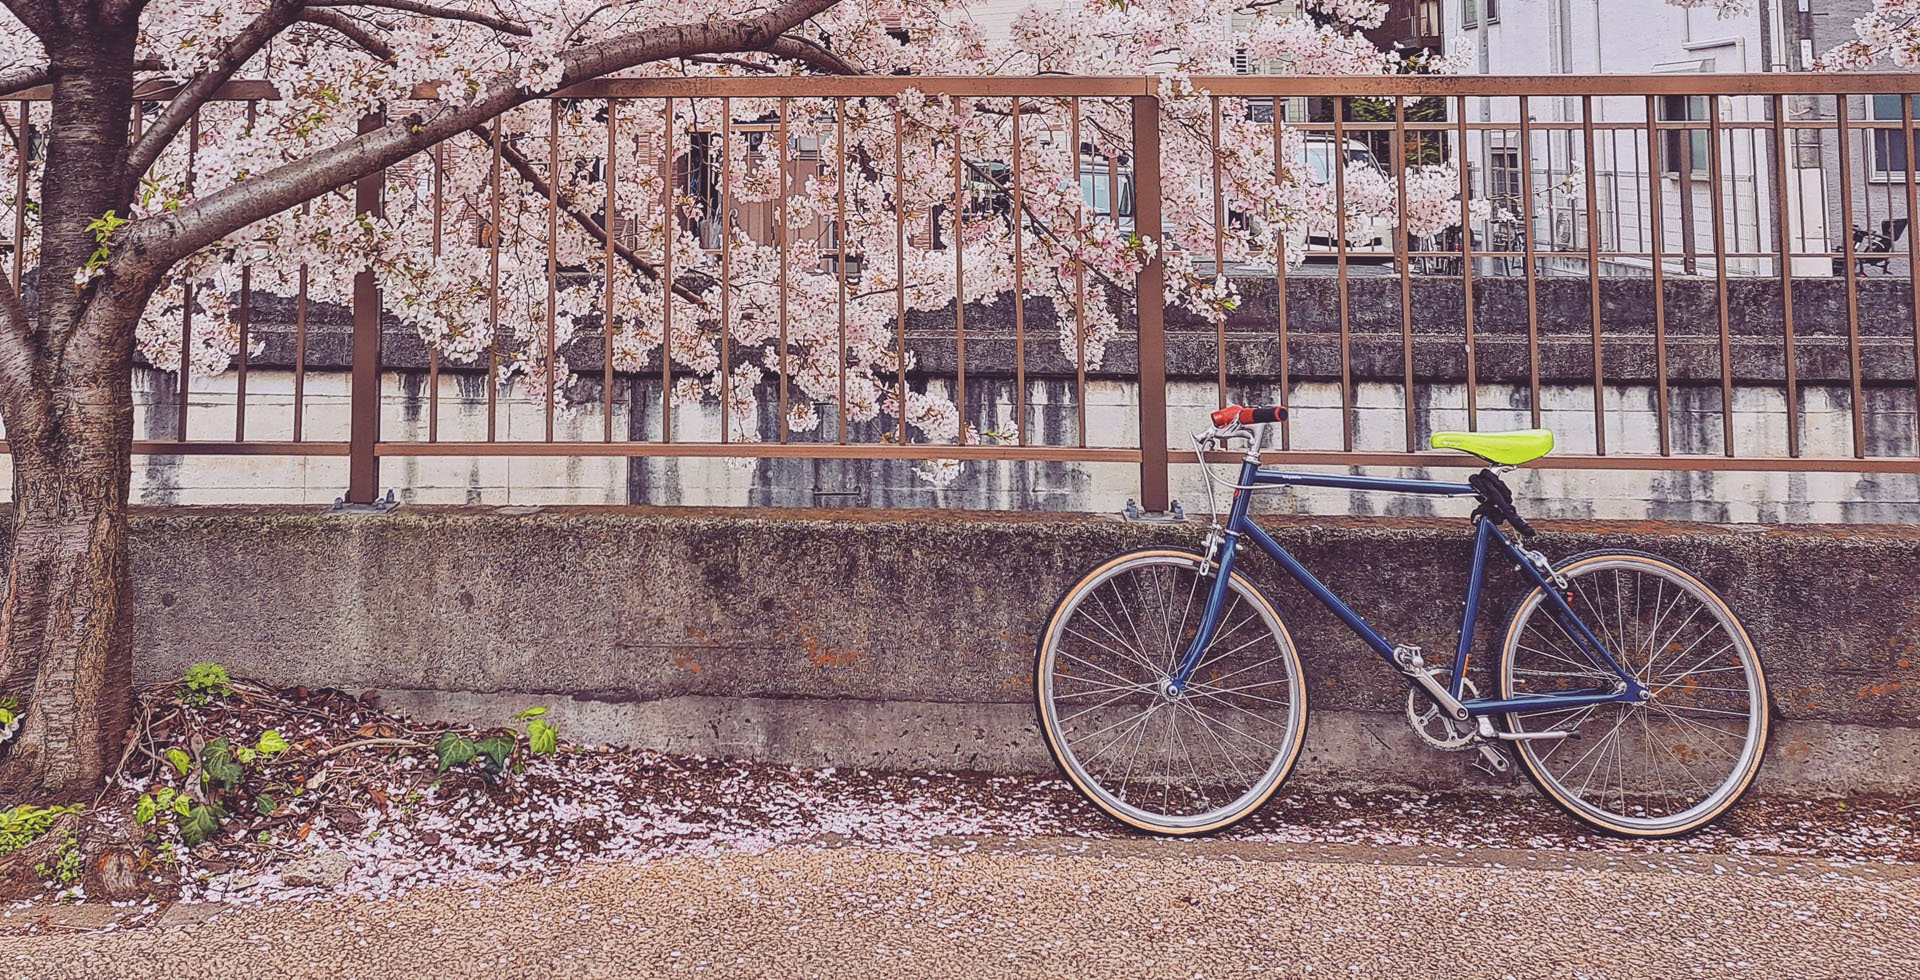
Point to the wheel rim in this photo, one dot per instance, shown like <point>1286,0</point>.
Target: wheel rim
<point>1662,766</point>
<point>1188,761</point>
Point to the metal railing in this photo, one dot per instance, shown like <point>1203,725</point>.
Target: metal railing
<point>1614,267</point>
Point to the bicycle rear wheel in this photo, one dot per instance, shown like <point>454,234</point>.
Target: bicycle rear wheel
<point>1659,768</point>
<point>1180,763</point>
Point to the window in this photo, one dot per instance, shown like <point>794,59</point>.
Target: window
<point>1470,12</point>
<point>1503,177</point>
<point>1890,145</point>
<point>1426,19</point>
<point>1683,147</point>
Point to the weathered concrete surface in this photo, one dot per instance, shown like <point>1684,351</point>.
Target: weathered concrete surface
<point>906,638</point>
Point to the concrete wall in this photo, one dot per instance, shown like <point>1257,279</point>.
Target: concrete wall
<point>905,639</point>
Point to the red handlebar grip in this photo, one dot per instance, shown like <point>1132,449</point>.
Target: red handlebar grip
<point>1248,416</point>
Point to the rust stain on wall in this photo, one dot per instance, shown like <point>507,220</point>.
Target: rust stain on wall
<point>1880,690</point>
<point>821,656</point>
<point>684,660</point>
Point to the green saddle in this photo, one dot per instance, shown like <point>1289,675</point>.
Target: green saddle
<point>1503,448</point>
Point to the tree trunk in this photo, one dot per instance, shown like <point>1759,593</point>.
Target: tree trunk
<point>65,649</point>
<point>65,644</point>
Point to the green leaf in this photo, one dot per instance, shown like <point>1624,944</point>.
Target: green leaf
<point>180,759</point>
<point>533,712</point>
<point>6,717</point>
<point>182,804</point>
<point>542,738</point>
<point>265,804</point>
<point>216,760</point>
<point>145,811</point>
<point>200,824</point>
<point>453,750</point>
<point>495,749</point>
<point>245,755</point>
<point>271,743</point>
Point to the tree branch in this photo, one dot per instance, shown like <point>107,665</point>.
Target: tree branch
<point>187,101</point>
<point>170,236</point>
<point>437,12</point>
<point>352,31</point>
<point>26,78</point>
<point>587,222</point>
<point>37,15</point>
<point>812,55</point>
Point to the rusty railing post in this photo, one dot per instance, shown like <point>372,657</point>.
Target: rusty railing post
<point>1151,301</point>
<point>363,468</point>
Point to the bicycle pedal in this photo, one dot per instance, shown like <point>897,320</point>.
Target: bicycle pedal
<point>1492,761</point>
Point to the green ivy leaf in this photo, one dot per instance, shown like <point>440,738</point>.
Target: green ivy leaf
<point>495,749</point>
<point>245,755</point>
<point>216,760</point>
<point>453,750</point>
<point>271,743</point>
<point>533,712</point>
<point>200,824</point>
<point>180,759</point>
<point>182,805</point>
<point>542,738</point>
<point>145,811</point>
<point>265,804</point>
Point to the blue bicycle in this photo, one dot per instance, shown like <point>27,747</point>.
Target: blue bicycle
<point>1172,697</point>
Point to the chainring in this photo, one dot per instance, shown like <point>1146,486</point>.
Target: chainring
<point>1434,726</point>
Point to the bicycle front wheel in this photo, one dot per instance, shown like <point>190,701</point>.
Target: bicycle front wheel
<point>1185,762</point>
<point>1658,768</point>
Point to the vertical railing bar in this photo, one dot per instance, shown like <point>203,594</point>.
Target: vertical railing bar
<point>780,247</point>
<point>1466,259</point>
<point>900,263</point>
<point>1784,242</point>
<point>433,352</point>
<point>669,226</point>
<point>726,270</point>
<point>1593,277</point>
<point>1657,265</point>
<point>22,147</point>
<point>1913,247</point>
<point>246,323</point>
<point>1219,246</point>
<point>553,257</point>
<point>493,291</point>
<point>1403,245</point>
<point>363,432</point>
<point>1689,245</point>
<point>1150,293</point>
<point>240,384</point>
<point>1079,279</point>
<point>1019,287</point>
<point>186,293</point>
<point>300,351</point>
<point>840,239</point>
<point>1339,157</point>
<point>1853,285</point>
<point>960,288</point>
<point>1279,275</point>
<point>1716,200</point>
<point>1527,252</point>
<point>612,222</point>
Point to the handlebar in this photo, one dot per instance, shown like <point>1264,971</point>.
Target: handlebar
<point>1248,416</point>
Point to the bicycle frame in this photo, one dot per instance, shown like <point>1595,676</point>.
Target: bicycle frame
<point>1487,535</point>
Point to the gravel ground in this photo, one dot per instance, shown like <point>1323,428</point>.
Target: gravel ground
<point>1119,908</point>
<point>602,862</point>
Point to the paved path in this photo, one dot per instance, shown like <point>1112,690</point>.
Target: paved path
<point>1056,908</point>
